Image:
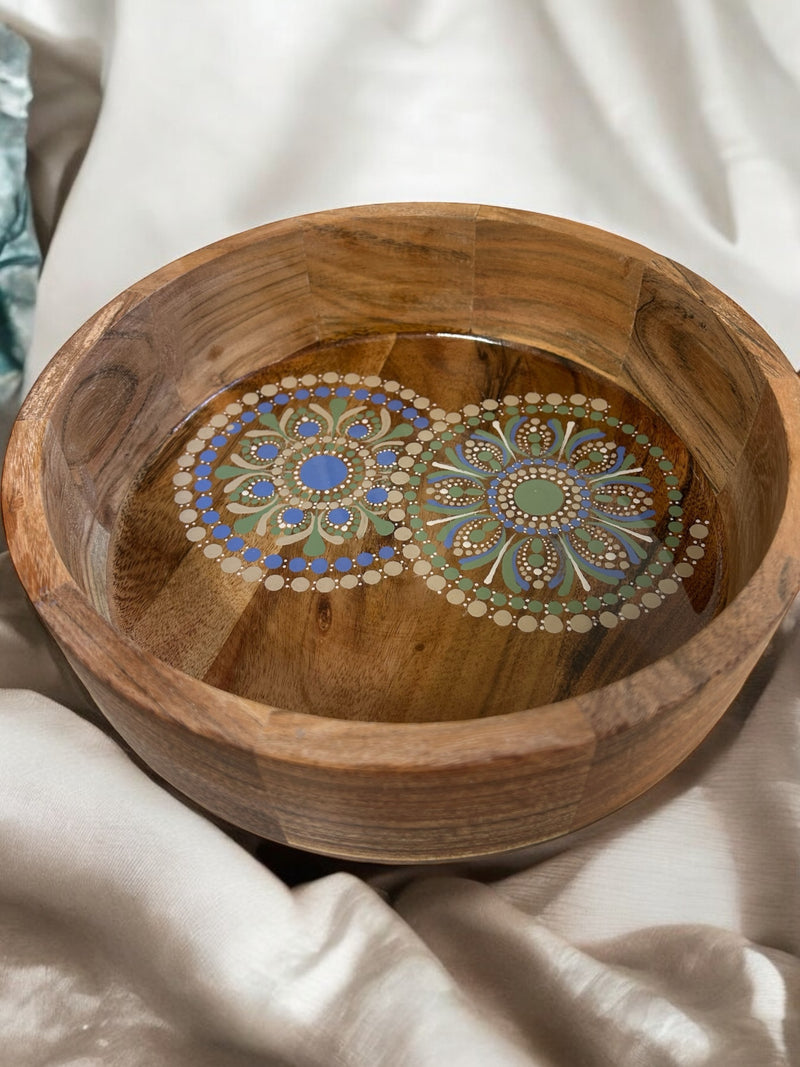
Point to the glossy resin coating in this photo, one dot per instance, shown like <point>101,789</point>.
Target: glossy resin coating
<point>361,552</point>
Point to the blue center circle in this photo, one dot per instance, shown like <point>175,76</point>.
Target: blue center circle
<point>323,472</point>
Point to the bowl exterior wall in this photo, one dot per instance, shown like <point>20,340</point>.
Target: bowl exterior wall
<point>587,765</point>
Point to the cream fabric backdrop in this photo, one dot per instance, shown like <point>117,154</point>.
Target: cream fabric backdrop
<point>133,931</point>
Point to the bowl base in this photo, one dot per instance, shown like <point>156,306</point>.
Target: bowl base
<point>417,527</point>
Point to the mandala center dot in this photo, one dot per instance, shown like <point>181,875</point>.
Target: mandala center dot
<point>538,496</point>
<point>323,472</point>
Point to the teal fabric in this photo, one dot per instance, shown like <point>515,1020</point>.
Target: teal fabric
<point>19,251</point>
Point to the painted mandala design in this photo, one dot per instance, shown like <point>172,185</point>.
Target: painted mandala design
<point>534,511</point>
<point>312,475</point>
<point>541,505</point>
<point>305,466</point>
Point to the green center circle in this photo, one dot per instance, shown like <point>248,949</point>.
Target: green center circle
<point>538,496</point>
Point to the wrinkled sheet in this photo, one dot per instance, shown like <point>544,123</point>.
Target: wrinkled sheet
<point>133,931</point>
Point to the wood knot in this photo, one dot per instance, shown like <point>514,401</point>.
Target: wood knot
<point>15,502</point>
<point>324,614</point>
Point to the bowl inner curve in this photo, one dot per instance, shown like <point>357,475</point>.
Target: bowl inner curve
<point>408,468</point>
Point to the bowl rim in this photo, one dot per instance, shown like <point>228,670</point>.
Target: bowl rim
<point>301,738</point>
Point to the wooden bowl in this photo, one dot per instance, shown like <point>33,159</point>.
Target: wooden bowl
<point>414,531</point>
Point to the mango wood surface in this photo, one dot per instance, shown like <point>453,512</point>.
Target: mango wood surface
<point>429,637</point>
<point>407,648</point>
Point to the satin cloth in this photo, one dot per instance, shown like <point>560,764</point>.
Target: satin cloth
<point>134,931</point>
<point>19,251</point>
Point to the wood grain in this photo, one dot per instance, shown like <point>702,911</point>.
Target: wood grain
<point>394,653</point>
<point>388,719</point>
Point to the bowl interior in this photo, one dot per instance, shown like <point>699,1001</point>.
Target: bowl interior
<point>415,464</point>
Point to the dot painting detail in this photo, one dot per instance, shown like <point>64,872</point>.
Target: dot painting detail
<point>305,466</point>
<point>534,511</point>
<point>542,515</point>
